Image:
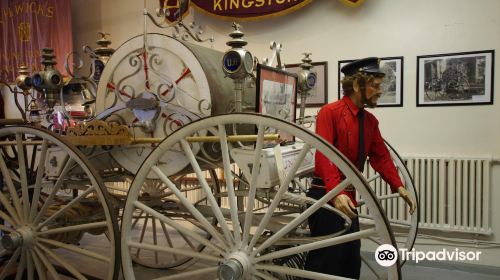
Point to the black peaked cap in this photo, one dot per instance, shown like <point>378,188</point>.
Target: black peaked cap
<point>369,65</point>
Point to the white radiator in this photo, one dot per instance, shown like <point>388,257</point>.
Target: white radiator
<point>453,193</point>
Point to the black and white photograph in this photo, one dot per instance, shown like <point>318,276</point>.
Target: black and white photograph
<point>318,96</point>
<point>392,87</point>
<point>277,95</point>
<point>455,79</point>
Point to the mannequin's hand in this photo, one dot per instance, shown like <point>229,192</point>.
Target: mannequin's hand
<point>344,204</point>
<point>406,196</point>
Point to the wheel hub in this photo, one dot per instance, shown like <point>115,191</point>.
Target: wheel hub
<point>234,267</point>
<point>14,240</point>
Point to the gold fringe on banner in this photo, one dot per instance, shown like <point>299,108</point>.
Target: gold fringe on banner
<point>352,3</point>
<point>255,18</point>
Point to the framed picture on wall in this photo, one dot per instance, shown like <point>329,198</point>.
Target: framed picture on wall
<point>319,94</point>
<point>277,95</point>
<point>392,87</point>
<point>455,79</point>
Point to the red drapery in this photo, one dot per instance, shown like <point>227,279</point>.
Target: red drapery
<point>27,26</point>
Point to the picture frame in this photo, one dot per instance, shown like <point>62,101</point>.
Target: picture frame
<point>392,87</point>
<point>455,79</point>
<point>319,94</point>
<point>277,95</point>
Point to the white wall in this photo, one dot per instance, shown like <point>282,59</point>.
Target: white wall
<point>332,32</point>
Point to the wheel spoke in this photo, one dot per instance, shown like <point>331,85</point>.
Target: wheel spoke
<point>389,196</point>
<point>74,249</point>
<point>277,198</point>
<point>253,182</point>
<point>370,267</point>
<point>169,241</point>
<point>31,269</point>
<point>22,170</point>
<point>9,209</point>
<point>6,218</point>
<point>47,263</point>
<point>264,276</point>
<point>68,162</point>
<point>11,262</point>
<point>38,265</point>
<point>10,186</point>
<point>192,209</point>
<point>317,245</point>
<point>82,227</point>
<point>174,251</point>
<point>38,182</point>
<point>137,219</point>
<point>66,207</point>
<point>62,262</point>
<point>208,192</point>
<point>233,205</point>
<point>155,240</point>
<point>298,272</point>
<point>189,274</point>
<point>4,228</point>
<point>373,178</point>
<point>143,231</point>
<point>22,264</point>
<point>177,226</point>
<point>304,215</point>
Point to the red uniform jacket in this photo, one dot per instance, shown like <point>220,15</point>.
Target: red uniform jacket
<point>337,123</point>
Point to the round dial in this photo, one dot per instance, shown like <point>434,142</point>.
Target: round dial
<point>311,80</point>
<point>248,62</point>
<point>154,90</point>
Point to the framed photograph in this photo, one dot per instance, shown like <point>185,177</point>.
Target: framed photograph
<point>319,94</point>
<point>277,95</point>
<point>455,79</point>
<point>392,87</point>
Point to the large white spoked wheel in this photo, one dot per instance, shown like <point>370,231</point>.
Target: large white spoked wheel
<point>54,211</point>
<point>253,228</point>
<point>403,224</point>
<point>146,228</point>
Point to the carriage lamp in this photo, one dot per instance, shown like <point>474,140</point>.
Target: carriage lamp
<point>306,82</point>
<point>237,64</point>
<point>49,80</point>
<point>23,80</point>
<point>103,52</point>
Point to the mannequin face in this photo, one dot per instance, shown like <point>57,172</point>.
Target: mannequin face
<point>373,92</point>
<point>371,95</point>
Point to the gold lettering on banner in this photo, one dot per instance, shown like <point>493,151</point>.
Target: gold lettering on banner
<point>250,3</point>
<point>217,4</point>
<point>226,5</point>
<point>261,3</point>
<point>23,31</point>
<point>50,12</point>
<point>236,4</point>
<point>28,7</point>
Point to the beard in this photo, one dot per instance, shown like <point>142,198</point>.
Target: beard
<point>370,103</point>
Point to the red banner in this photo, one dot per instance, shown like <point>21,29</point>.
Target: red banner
<point>248,9</point>
<point>27,26</point>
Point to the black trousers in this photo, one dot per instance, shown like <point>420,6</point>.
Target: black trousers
<point>340,260</point>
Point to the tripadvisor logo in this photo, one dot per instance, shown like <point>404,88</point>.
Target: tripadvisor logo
<point>387,255</point>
